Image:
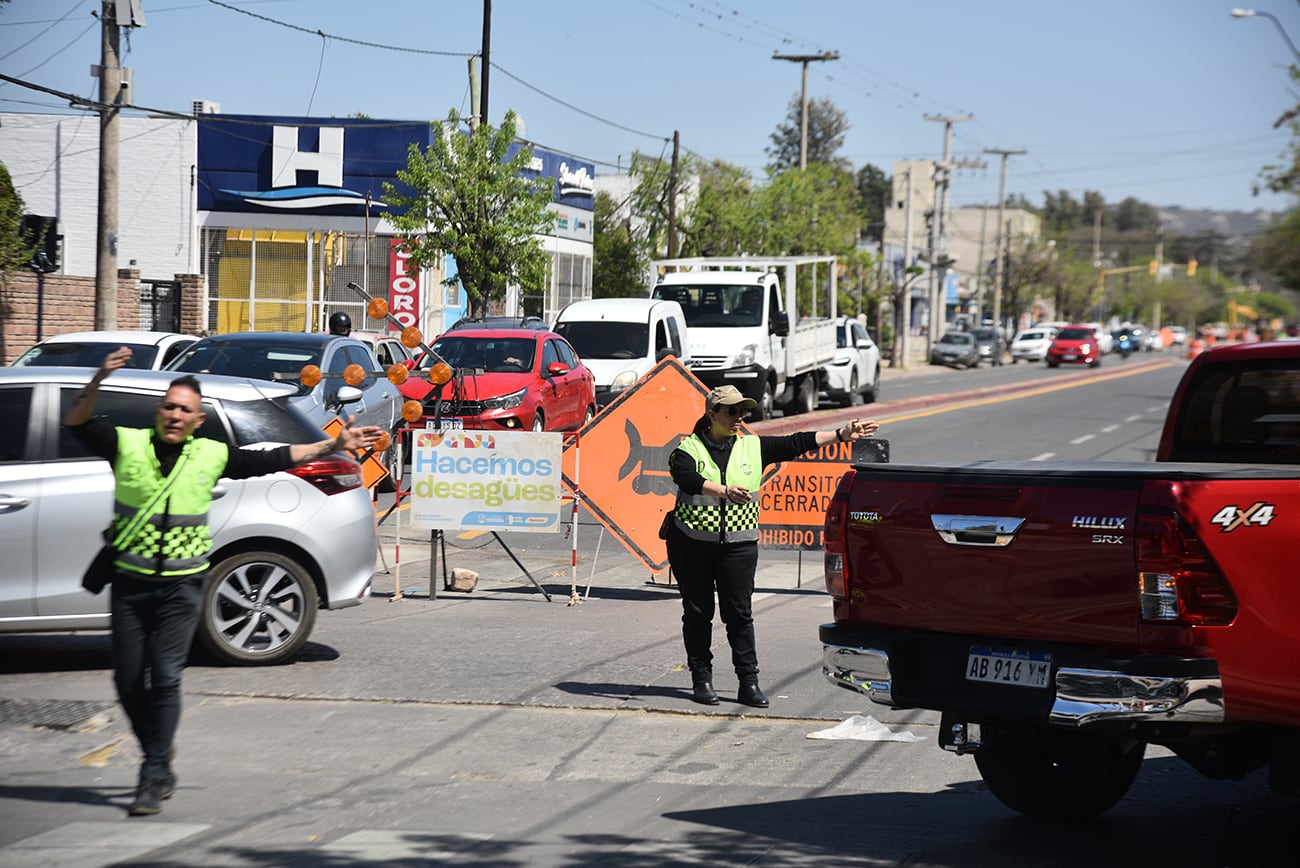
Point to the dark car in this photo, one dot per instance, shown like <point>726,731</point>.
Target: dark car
<point>957,349</point>
<point>508,379</point>
<point>990,344</point>
<point>281,356</point>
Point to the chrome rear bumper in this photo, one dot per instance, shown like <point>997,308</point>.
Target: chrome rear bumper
<point>1082,696</point>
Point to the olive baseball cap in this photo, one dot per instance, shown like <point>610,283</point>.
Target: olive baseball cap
<point>726,396</point>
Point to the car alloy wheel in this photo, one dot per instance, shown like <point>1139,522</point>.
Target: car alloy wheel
<point>258,608</point>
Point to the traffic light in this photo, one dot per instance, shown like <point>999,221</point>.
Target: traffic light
<point>1191,268</point>
<point>44,237</point>
<point>1154,268</point>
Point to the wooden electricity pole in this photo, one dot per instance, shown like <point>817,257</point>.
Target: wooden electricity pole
<point>805,59</point>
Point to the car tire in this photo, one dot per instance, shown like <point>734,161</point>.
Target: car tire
<point>587,417</point>
<point>872,394</point>
<point>393,480</point>
<point>806,399</point>
<point>539,421</point>
<point>1053,364</point>
<point>258,608</point>
<point>1065,775</point>
<point>766,403</point>
<point>852,396</point>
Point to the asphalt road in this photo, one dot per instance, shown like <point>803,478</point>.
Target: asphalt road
<point>495,728</point>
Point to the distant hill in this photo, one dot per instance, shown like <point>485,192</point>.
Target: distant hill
<point>1230,224</point>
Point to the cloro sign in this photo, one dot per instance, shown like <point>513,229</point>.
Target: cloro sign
<point>488,480</point>
<point>403,286</point>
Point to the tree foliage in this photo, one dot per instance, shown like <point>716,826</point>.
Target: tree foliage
<point>875,188</point>
<point>470,201</point>
<point>1278,251</point>
<point>721,221</point>
<point>827,125</point>
<point>619,263</point>
<point>14,254</point>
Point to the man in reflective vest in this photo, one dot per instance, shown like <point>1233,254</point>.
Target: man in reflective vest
<point>157,586</point>
<point>713,537</point>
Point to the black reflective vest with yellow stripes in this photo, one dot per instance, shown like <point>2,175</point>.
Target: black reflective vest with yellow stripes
<point>715,519</point>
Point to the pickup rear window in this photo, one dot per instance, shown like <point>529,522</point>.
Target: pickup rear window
<point>1241,413</point>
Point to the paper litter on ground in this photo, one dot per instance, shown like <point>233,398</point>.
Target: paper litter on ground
<point>864,728</point>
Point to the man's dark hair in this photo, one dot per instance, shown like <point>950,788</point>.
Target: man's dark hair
<point>188,381</point>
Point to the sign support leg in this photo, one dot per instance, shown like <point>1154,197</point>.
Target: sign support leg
<point>498,538</point>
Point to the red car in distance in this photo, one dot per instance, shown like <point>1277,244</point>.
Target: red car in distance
<point>1074,345</point>
<point>507,379</point>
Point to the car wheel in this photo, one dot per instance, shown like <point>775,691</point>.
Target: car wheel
<point>258,608</point>
<point>806,400</point>
<point>873,391</point>
<point>1053,364</point>
<point>393,480</point>
<point>763,411</point>
<point>539,421</point>
<point>588,416</point>
<point>1056,775</point>
<point>852,397</point>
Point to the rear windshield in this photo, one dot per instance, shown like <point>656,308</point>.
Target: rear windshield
<point>1074,334</point>
<point>1246,412</point>
<point>606,339</point>
<point>1030,336</point>
<point>242,359</point>
<point>85,354</point>
<point>260,421</point>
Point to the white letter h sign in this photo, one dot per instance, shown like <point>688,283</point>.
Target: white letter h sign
<point>286,159</point>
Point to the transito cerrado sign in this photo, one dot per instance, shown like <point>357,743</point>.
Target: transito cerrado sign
<point>795,494</point>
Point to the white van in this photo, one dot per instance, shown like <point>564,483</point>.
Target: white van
<point>620,339</point>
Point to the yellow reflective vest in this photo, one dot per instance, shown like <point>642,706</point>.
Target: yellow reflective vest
<point>715,519</point>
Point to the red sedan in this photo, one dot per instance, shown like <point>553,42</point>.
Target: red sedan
<point>1074,345</point>
<point>509,379</point>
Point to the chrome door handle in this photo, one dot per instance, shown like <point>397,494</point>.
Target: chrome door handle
<point>10,503</point>
<point>976,530</point>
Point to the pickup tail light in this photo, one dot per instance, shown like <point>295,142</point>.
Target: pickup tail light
<point>833,538</point>
<point>331,475</point>
<point>1178,581</point>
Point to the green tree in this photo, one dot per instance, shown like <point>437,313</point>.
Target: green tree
<point>14,254</point>
<point>813,212</point>
<point>1278,250</point>
<point>827,125</point>
<point>619,264</point>
<point>874,189</point>
<point>468,200</point>
<point>653,180</point>
<point>721,219</point>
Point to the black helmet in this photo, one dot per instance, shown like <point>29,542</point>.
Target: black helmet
<point>340,323</point>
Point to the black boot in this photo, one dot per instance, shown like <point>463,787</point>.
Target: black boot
<point>703,692</point>
<point>750,694</point>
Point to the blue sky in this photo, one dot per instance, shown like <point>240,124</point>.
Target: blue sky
<point>1171,101</point>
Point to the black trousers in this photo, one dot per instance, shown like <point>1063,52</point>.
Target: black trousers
<point>704,570</point>
<point>153,626</point>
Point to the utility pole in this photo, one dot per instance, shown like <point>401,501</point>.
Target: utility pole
<point>903,316</point>
<point>999,268</point>
<point>672,199</point>
<point>113,94</point>
<point>487,60</point>
<point>940,261</point>
<point>805,59</point>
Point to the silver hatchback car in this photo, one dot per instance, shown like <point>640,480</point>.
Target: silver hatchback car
<point>285,544</point>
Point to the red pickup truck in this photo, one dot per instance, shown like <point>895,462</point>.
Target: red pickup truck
<point>1062,617</point>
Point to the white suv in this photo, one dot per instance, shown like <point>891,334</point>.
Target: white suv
<point>285,544</point>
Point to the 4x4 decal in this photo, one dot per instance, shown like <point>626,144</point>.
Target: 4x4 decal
<point>1231,517</point>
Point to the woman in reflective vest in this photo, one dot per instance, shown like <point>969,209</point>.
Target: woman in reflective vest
<point>713,531</point>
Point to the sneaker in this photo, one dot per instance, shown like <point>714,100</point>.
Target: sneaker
<point>149,796</point>
<point>168,783</point>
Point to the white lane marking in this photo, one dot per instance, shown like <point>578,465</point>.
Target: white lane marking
<point>94,843</point>
<point>1084,439</point>
<point>1043,457</point>
<point>1134,417</point>
<point>1158,408</point>
<point>1108,429</point>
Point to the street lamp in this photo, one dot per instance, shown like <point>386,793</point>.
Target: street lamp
<point>1251,13</point>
